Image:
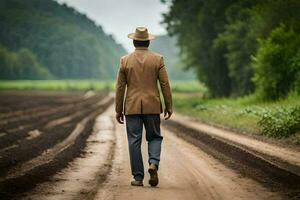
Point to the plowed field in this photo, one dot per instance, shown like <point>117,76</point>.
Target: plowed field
<point>40,132</point>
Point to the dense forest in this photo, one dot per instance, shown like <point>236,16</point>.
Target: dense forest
<point>42,39</point>
<point>238,47</point>
<point>166,46</point>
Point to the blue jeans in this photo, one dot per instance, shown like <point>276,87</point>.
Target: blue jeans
<point>134,127</point>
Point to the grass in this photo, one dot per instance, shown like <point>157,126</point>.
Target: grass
<point>71,85</point>
<point>244,115</point>
<point>191,86</point>
<point>216,111</point>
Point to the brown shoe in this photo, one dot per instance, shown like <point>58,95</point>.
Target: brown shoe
<point>153,175</point>
<point>137,183</point>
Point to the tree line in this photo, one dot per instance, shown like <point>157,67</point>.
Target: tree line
<point>238,47</point>
<point>42,39</point>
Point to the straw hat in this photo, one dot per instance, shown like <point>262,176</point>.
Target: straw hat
<point>141,33</point>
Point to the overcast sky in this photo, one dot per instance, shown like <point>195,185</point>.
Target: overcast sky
<point>120,17</point>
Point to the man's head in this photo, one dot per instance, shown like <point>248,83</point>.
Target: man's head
<point>139,43</point>
<point>141,37</point>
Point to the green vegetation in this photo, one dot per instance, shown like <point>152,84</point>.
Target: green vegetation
<point>277,65</point>
<point>166,46</point>
<point>188,86</point>
<point>21,64</point>
<point>248,114</point>
<point>239,47</point>
<point>247,53</point>
<point>176,85</point>
<point>281,122</point>
<point>41,39</point>
<point>56,85</point>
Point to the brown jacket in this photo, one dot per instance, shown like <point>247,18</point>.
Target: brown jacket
<point>140,72</point>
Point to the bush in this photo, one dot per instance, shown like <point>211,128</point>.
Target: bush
<point>276,63</point>
<point>282,122</point>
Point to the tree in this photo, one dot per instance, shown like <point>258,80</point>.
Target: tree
<point>21,65</point>
<point>219,38</point>
<point>239,39</point>
<point>67,43</point>
<point>276,63</point>
<point>196,24</point>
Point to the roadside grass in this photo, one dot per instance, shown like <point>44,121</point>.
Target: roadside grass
<point>191,86</point>
<point>69,85</point>
<point>278,119</point>
<point>216,111</point>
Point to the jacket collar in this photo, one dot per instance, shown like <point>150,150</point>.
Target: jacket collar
<point>141,48</point>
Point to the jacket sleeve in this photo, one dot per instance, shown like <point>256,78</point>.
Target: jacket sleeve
<point>120,88</point>
<point>164,84</point>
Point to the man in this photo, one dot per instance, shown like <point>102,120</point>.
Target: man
<point>139,73</point>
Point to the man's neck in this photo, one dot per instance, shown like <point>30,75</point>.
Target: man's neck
<point>141,48</point>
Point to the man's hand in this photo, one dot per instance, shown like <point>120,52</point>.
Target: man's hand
<point>169,112</point>
<point>120,118</point>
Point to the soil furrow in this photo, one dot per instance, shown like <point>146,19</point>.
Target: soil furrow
<point>27,149</point>
<point>8,123</point>
<point>27,175</point>
<point>19,131</point>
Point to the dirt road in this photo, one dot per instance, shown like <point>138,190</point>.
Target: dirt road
<point>186,172</point>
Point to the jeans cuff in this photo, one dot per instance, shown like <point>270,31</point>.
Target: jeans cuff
<point>138,178</point>
<point>155,162</point>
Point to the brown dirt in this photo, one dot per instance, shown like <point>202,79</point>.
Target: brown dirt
<point>185,173</point>
<point>81,179</point>
<point>66,112</point>
<point>274,166</point>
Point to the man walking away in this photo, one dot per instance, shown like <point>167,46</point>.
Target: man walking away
<point>139,74</point>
